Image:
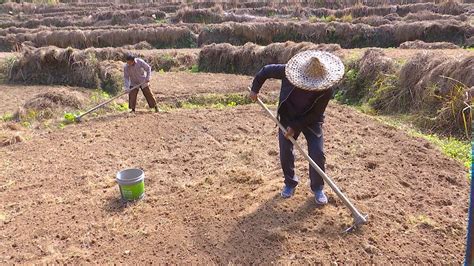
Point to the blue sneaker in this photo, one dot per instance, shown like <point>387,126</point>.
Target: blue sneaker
<point>320,198</point>
<point>287,192</point>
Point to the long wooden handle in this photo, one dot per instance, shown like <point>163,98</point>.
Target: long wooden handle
<point>109,100</point>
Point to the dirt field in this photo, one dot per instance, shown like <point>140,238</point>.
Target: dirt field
<point>212,184</point>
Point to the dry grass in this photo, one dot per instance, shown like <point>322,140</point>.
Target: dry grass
<point>346,34</point>
<point>424,45</point>
<point>248,59</point>
<point>433,88</point>
<point>90,68</point>
<point>55,66</point>
<point>158,37</point>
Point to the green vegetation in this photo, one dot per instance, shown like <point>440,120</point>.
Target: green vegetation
<point>329,18</point>
<point>452,147</point>
<point>347,18</point>
<point>313,19</point>
<point>217,101</point>
<point>120,107</point>
<point>459,150</point>
<point>194,69</point>
<point>69,117</point>
<point>26,124</point>
<point>7,117</point>
<point>6,66</point>
<point>99,96</point>
<point>161,21</point>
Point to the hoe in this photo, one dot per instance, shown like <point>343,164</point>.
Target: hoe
<point>78,117</point>
<point>359,219</point>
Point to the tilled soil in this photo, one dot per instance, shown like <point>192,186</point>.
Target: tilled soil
<point>212,192</point>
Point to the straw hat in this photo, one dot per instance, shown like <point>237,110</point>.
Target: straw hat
<point>314,70</point>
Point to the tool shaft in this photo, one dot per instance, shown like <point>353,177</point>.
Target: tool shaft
<point>359,218</point>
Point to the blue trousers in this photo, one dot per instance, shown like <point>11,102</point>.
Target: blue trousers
<point>314,139</point>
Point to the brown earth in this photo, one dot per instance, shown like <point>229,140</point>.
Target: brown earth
<point>13,97</point>
<point>212,185</point>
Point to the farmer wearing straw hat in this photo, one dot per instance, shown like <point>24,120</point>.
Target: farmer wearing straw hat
<point>305,93</point>
<point>135,72</point>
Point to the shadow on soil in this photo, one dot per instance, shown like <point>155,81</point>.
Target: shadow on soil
<point>260,236</point>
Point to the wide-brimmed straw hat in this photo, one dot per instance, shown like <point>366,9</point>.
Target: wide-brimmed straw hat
<point>314,70</point>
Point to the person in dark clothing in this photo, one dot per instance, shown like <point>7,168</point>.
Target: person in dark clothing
<point>306,82</point>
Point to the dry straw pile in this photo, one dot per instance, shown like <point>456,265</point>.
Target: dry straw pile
<point>348,35</point>
<point>425,45</point>
<point>429,86</point>
<point>248,59</point>
<point>50,65</point>
<point>90,68</point>
<point>159,37</point>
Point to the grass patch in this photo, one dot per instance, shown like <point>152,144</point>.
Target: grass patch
<point>212,101</point>
<point>459,150</point>
<point>69,117</point>
<point>313,19</point>
<point>99,96</point>
<point>194,69</point>
<point>329,18</point>
<point>452,147</point>
<point>7,117</point>
<point>120,107</point>
<point>347,18</point>
<point>217,101</point>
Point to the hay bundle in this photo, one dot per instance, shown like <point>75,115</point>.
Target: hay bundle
<point>158,36</point>
<point>409,31</point>
<point>139,46</point>
<point>433,87</point>
<point>392,17</point>
<point>363,76</point>
<point>372,20</point>
<point>424,45</point>
<point>111,76</point>
<point>448,74</point>
<point>346,34</point>
<point>189,15</point>
<point>451,7</point>
<point>412,95</point>
<point>45,105</point>
<point>423,15</point>
<point>52,100</point>
<point>249,58</point>
<point>50,65</point>
<point>446,85</point>
<point>403,10</point>
<point>374,63</point>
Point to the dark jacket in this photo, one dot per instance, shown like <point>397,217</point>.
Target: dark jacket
<point>313,113</point>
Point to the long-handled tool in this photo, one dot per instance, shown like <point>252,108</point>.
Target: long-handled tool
<point>78,117</point>
<point>359,219</point>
